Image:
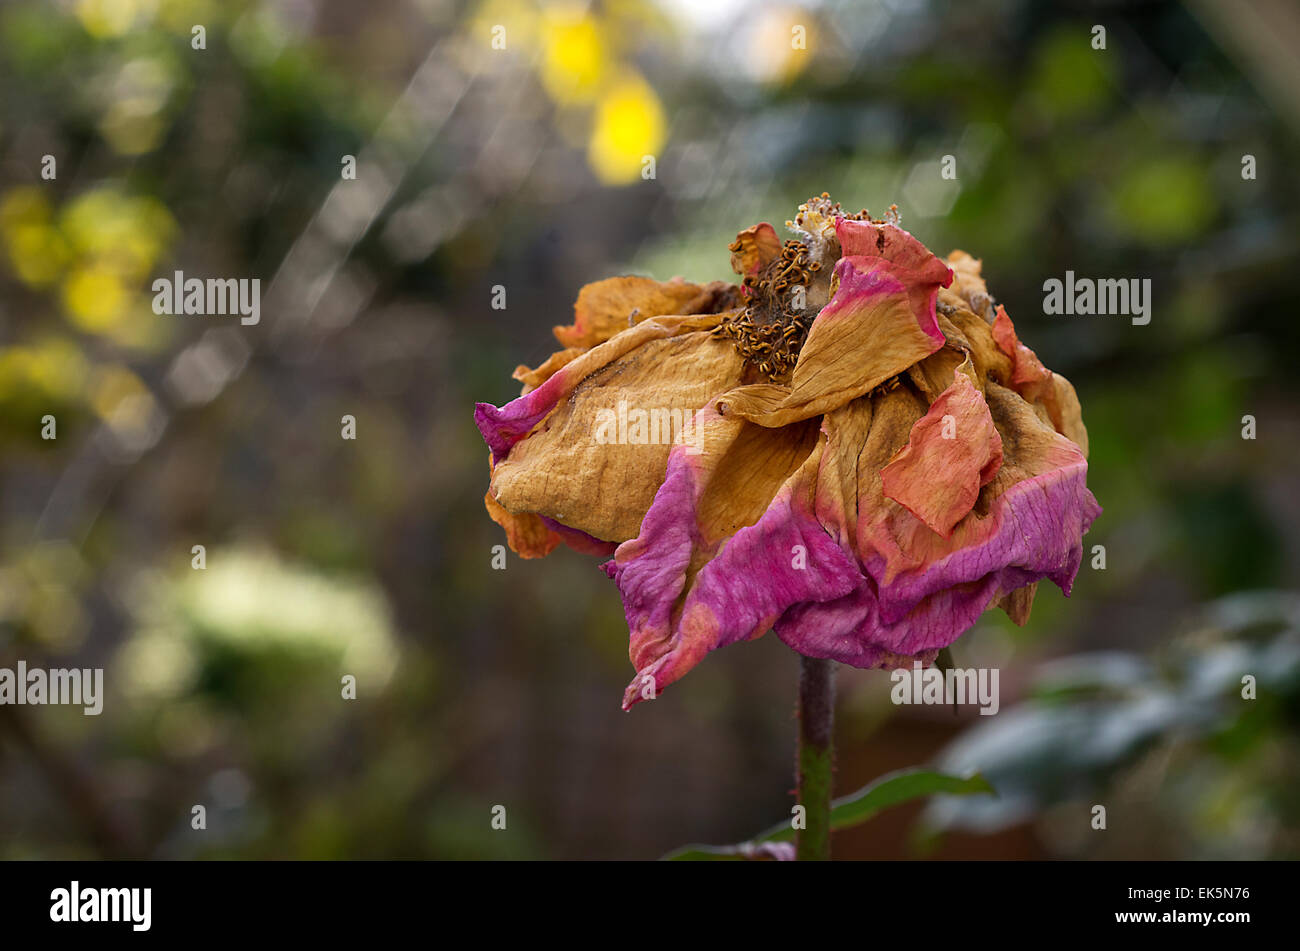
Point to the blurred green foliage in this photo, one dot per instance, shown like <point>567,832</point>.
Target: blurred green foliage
<point>1193,751</point>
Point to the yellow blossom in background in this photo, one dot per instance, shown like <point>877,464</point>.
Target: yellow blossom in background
<point>115,242</point>
<point>94,297</point>
<point>629,125</point>
<point>105,19</point>
<point>128,232</point>
<point>575,59</point>
<point>35,248</point>
<point>53,371</point>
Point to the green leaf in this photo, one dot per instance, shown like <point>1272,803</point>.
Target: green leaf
<point>848,811</point>
<point>705,853</point>
<point>899,787</point>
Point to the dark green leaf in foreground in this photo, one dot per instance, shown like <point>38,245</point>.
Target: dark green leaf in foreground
<point>855,809</point>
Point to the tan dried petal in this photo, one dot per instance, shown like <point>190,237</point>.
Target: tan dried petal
<point>1063,408</point>
<point>976,337</point>
<point>608,307</point>
<point>968,283</point>
<point>1018,603</point>
<point>532,379</point>
<point>586,466</point>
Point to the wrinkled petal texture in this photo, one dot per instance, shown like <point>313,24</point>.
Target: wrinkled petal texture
<point>530,535</point>
<point>532,379</point>
<point>920,590</point>
<point>595,462</point>
<point>527,534</point>
<point>1039,385</point>
<point>503,427</point>
<point>836,567</point>
<point>918,466</point>
<point>739,592</point>
<point>1029,377</point>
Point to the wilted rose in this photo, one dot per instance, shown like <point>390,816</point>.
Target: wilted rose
<point>874,458</point>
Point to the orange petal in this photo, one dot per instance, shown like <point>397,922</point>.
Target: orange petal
<point>526,534</point>
<point>974,335</point>
<point>1067,416</point>
<point>754,249</point>
<point>1029,377</point>
<point>894,544</point>
<point>933,375</point>
<point>953,451</point>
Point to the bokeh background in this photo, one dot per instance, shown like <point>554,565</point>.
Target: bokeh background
<point>523,167</point>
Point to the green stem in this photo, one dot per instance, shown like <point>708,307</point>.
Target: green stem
<point>816,719</point>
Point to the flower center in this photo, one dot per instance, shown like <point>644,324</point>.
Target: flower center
<point>770,330</point>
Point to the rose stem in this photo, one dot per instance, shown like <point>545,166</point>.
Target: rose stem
<point>816,717</point>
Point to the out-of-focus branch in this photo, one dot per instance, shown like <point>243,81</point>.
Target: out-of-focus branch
<point>105,831</point>
<point>1262,36</point>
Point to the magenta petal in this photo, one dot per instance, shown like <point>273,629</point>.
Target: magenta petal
<point>1038,524</point>
<point>1033,531</point>
<point>784,558</point>
<point>504,426</point>
<point>904,253</point>
<point>786,571</point>
<point>846,630</point>
<point>852,631</point>
<point>917,593</point>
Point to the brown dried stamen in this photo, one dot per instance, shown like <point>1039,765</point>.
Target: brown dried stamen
<point>893,383</point>
<point>776,318</point>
